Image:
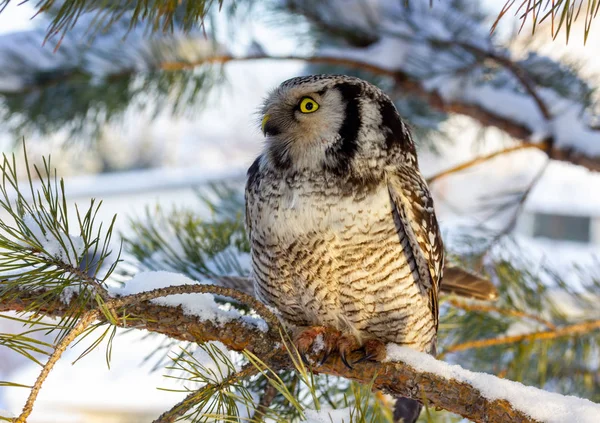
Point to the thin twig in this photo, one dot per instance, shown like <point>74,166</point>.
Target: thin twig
<point>67,267</point>
<point>182,407</point>
<point>486,308</point>
<point>570,330</point>
<point>519,209</point>
<point>481,159</point>
<point>81,326</point>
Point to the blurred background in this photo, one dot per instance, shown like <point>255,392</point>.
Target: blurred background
<point>146,120</point>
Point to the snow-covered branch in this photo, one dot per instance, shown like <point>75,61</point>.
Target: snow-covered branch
<point>569,141</point>
<point>197,318</point>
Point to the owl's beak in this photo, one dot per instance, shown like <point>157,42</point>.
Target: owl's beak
<point>264,124</point>
<point>268,128</point>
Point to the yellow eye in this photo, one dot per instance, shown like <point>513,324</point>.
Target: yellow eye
<point>308,105</point>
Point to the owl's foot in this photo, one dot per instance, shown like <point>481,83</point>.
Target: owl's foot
<point>317,341</point>
<point>374,350</point>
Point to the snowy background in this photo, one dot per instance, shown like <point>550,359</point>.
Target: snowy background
<point>161,159</point>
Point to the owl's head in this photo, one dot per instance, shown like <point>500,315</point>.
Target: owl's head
<point>335,123</point>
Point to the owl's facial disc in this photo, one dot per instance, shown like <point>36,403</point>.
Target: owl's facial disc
<point>300,123</point>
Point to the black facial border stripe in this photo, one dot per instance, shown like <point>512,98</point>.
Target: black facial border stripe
<point>352,121</point>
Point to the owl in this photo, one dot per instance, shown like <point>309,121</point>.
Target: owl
<point>344,238</point>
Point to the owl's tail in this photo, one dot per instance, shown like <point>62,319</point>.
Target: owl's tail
<point>406,410</point>
<point>464,283</point>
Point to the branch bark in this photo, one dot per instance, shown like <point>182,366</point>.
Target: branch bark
<point>481,159</point>
<point>410,85</point>
<point>398,379</point>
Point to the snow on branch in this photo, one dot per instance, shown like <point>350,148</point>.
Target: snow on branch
<point>476,396</point>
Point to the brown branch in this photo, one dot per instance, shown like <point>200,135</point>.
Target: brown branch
<point>481,159</point>
<point>77,330</point>
<point>410,85</point>
<point>394,378</point>
<point>169,321</point>
<point>518,72</point>
<point>570,330</point>
<point>486,308</point>
<point>405,82</point>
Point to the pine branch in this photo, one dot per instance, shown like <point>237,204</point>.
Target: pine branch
<point>164,15</point>
<point>409,86</point>
<point>190,401</point>
<point>562,13</point>
<point>160,15</point>
<point>515,69</point>
<point>395,378</point>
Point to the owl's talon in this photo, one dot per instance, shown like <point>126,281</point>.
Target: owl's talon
<point>325,356</point>
<point>366,357</point>
<point>345,360</point>
<point>346,345</point>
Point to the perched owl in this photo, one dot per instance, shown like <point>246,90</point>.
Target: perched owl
<point>344,237</point>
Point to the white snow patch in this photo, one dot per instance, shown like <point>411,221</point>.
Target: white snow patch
<point>105,53</point>
<point>63,247</point>
<point>541,405</point>
<point>570,129</point>
<point>328,415</point>
<point>318,344</point>
<point>575,308</point>
<point>568,126</point>
<point>202,306</point>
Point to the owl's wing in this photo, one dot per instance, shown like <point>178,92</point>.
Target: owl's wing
<point>413,209</point>
<point>253,177</point>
